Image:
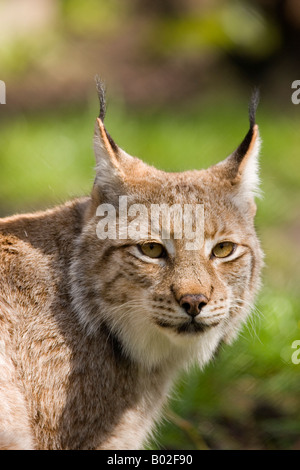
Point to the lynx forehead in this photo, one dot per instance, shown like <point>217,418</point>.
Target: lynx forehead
<point>95,327</point>
<point>137,222</point>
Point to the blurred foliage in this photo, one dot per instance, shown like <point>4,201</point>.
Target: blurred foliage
<point>91,17</point>
<point>24,53</point>
<point>218,28</point>
<point>248,397</point>
<point>252,30</point>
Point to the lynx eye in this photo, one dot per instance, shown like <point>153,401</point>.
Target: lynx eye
<point>153,250</point>
<point>223,249</point>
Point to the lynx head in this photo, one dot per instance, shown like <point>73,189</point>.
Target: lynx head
<point>164,296</point>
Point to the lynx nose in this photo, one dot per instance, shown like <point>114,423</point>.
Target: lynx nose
<point>192,303</point>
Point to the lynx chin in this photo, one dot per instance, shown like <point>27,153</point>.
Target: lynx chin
<point>93,332</point>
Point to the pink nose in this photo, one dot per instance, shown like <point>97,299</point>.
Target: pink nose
<point>192,303</point>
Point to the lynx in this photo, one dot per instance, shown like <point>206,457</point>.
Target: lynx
<point>94,331</point>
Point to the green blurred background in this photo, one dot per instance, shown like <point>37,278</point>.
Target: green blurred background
<point>179,74</point>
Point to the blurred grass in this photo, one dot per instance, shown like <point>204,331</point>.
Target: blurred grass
<point>249,397</point>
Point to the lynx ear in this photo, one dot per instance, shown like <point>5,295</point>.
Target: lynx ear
<point>110,159</point>
<point>242,167</point>
<point>107,154</point>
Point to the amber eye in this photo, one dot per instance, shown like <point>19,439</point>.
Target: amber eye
<point>153,250</point>
<point>223,249</point>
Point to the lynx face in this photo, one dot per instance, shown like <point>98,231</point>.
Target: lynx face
<point>158,298</point>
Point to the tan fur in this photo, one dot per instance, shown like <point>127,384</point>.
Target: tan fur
<point>90,339</point>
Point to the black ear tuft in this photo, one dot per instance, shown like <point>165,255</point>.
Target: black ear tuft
<point>253,106</point>
<point>101,95</point>
<point>242,149</point>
